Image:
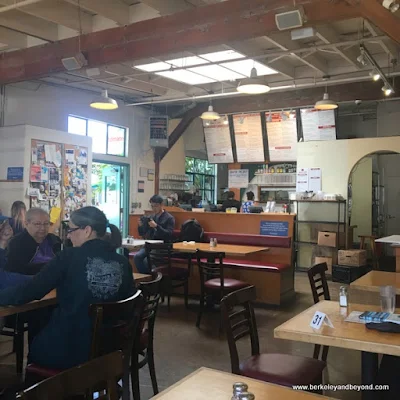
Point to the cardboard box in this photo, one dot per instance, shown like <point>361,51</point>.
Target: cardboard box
<point>352,258</point>
<point>317,228</point>
<point>328,260</point>
<point>327,239</point>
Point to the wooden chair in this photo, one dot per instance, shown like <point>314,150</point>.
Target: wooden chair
<point>115,327</point>
<point>159,260</point>
<point>282,369</point>
<point>144,342</point>
<point>319,288</point>
<point>100,372</point>
<point>212,280</point>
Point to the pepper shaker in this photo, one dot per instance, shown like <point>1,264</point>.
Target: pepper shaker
<point>246,396</point>
<point>343,299</point>
<point>238,388</point>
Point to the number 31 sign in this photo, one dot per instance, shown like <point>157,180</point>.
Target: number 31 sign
<point>318,319</point>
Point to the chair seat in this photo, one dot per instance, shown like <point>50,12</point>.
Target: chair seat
<point>42,371</point>
<point>231,284</point>
<point>283,369</point>
<point>176,272</point>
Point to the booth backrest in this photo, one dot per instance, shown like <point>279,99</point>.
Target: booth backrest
<point>246,239</point>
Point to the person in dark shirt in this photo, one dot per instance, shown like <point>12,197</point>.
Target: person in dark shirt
<point>18,215</point>
<point>159,226</point>
<point>32,249</point>
<point>231,202</point>
<point>88,273</point>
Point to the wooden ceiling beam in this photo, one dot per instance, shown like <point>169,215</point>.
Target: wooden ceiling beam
<point>374,11</point>
<point>186,31</point>
<point>365,91</point>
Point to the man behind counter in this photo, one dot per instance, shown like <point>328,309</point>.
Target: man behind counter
<point>158,226</point>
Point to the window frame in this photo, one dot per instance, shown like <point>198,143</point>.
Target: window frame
<point>203,175</point>
<point>125,129</point>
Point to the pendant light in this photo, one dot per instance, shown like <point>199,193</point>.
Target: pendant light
<point>104,102</point>
<point>326,103</point>
<point>210,115</point>
<point>253,85</point>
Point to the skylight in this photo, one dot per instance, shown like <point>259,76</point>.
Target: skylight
<point>230,67</point>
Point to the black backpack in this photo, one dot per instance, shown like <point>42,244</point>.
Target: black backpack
<point>191,230</point>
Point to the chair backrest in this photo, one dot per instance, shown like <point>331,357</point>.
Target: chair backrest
<point>318,282</point>
<point>211,266</point>
<point>240,322</point>
<point>105,370</point>
<point>115,325</point>
<point>151,293</point>
<point>158,255</point>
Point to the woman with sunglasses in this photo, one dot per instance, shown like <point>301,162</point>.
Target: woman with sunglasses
<point>89,272</point>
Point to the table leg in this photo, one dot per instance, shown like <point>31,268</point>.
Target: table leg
<point>369,370</point>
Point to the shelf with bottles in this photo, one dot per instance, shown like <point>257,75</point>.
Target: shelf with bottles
<point>277,168</point>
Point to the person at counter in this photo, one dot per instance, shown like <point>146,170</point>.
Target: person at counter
<point>247,204</point>
<point>231,202</point>
<point>158,226</point>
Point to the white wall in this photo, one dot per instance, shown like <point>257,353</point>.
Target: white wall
<point>16,152</point>
<point>195,145</point>
<point>48,107</point>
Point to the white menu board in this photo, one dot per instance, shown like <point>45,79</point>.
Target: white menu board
<point>282,137</point>
<point>248,137</point>
<point>218,142</point>
<point>318,124</point>
<point>238,178</point>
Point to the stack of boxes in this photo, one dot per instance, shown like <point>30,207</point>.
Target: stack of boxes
<point>343,265</point>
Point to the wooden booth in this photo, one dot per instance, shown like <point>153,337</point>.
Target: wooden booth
<point>270,271</point>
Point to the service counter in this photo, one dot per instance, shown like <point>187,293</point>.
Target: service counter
<point>272,288</point>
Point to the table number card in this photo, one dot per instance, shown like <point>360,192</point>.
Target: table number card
<point>319,319</point>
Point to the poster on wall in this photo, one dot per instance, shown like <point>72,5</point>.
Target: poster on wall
<point>282,136</point>
<point>238,178</point>
<point>318,124</point>
<point>248,138</point>
<point>218,141</point>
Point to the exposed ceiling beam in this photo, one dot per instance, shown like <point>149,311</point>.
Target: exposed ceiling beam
<point>186,31</point>
<point>24,23</point>
<point>388,46</point>
<point>365,91</point>
<point>115,10</point>
<point>168,7</point>
<point>56,11</point>
<point>374,11</point>
<point>284,42</point>
<point>13,39</point>
<point>329,35</point>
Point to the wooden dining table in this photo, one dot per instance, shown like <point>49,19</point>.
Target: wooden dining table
<point>373,280</point>
<point>50,299</point>
<point>206,383</point>
<point>348,335</point>
<point>228,249</point>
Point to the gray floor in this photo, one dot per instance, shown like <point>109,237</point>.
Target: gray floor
<point>181,348</point>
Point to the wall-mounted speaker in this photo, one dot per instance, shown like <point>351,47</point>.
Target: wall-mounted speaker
<point>289,20</point>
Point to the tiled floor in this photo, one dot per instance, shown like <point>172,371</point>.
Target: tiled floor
<point>181,348</point>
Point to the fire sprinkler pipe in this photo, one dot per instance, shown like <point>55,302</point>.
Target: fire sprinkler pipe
<point>18,5</point>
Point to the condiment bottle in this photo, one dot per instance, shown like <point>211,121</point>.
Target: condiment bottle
<point>238,388</point>
<point>343,297</point>
<point>246,396</point>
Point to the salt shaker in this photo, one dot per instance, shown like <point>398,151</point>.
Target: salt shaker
<point>238,388</point>
<point>215,242</point>
<point>212,243</point>
<point>246,396</point>
<point>343,296</point>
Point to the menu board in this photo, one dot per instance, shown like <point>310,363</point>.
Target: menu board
<point>318,124</point>
<point>248,137</point>
<point>218,142</point>
<point>282,136</point>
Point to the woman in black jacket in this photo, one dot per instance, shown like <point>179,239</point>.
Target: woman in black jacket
<point>90,272</point>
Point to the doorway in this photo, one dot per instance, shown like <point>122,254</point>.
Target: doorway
<point>110,192</point>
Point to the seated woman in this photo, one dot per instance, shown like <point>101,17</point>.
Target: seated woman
<point>18,214</point>
<point>90,272</point>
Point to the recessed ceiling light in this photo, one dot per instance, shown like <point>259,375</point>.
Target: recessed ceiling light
<point>186,77</point>
<point>244,67</point>
<point>216,72</point>
<point>153,67</point>
<point>222,56</point>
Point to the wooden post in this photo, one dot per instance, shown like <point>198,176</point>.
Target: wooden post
<point>235,190</point>
<point>156,171</point>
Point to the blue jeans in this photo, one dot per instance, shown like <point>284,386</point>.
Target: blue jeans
<point>141,263</point>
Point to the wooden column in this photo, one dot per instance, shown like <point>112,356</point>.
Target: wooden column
<point>397,252</point>
<point>235,190</point>
<point>156,172</point>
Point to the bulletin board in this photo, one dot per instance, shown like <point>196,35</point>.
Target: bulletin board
<point>58,177</point>
<point>45,175</point>
<point>75,178</point>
